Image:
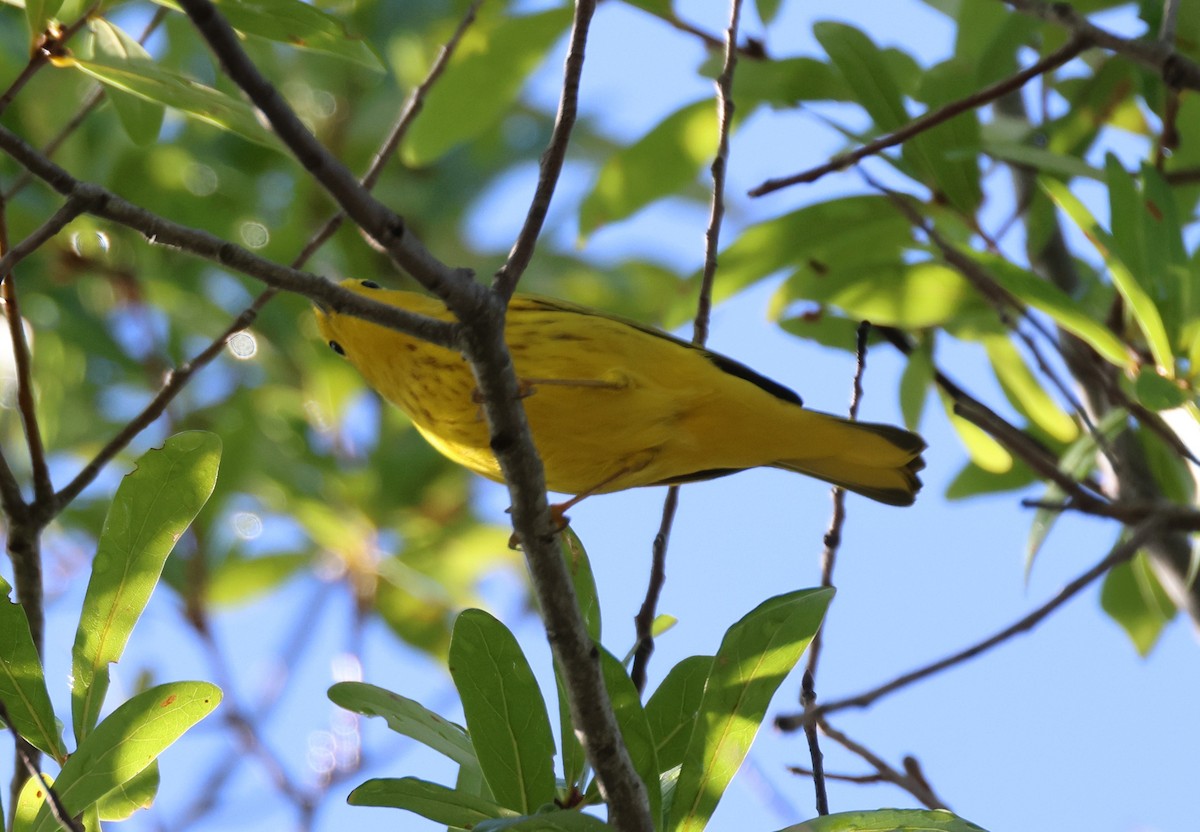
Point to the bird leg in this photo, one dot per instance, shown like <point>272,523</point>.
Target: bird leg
<point>558,511</point>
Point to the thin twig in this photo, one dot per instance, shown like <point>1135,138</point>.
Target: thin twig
<point>912,781</point>
<point>57,809</point>
<point>808,700</point>
<point>929,120</point>
<point>860,779</point>
<point>505,281</point>
<point>49,45</point>
<point>1025,447</point>
<point>1176,69</point>
<point>837,520</point>
<point>1170,17</point>
<point>90,103</point>
<point>644,620</point>
<point>179,378</point>
<point>376,219</point>
<point>712,237</point>
<point>408,114</point>
<point>1119,554</point>
<point>159,230</point>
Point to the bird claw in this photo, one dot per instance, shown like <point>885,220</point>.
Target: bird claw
<point>558,519</point>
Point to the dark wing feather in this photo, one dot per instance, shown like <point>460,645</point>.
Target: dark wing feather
<point>721,362</point>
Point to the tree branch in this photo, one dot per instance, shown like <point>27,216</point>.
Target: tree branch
<point>481,339</point>
<point>505,281</point>
<point>1121,553</point>
<point>1176,70</point>
<point>929,120</point>
<point>712,235</point>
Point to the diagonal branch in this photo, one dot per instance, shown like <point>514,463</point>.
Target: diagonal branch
<point>1176,69</point>
<point>481,339</point>
<point>505,281</point>
<point>1120,553</point>
<point>929,120</point>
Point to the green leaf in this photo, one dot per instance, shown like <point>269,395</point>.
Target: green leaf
<point>1141,306</point>
<point>906,295</point>
<point>479,86</point>
<point>38,14</point>
<point>141,119</point>
<point>1148,239</point>
<point>22,683</point>
<point>29,802</point>
<point>1076,462</point>
<point>984,451</point>
<point>888,820</point>
<point>1134,598</point>
<point>635,729</point>
<point>1066,312</point>
<point>240,579</point>
<point>862,64</point>
<point>566,820</point>
<point>784,82</point>
<point>973,481</point>
<point>580,568</point>
<point>659,164</point>
<point>1041,159</point>
<point>1025,392</point>
<point>755,656</point>
<point>301,25</point>
<point>915,383</point>
<point>821,325</point>
<point>574,760</point>
<point>846,233</point>
<point>673,708</point>
<point>407,717</point>
<point>1156,392</point>
<point>297,24</point>
<point>505,713</point>
<point>151,510</point>
<point>439,804</point>
<point>129,797</point>
<point>151,82</point>
<point>126,742</point>
<point>767,10</point>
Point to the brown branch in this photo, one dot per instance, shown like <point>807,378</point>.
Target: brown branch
<point>49,44</point>
<point>210,247</point>
<point>1175,69</point>
<point>712,236</point>
<point>929,120</point>
<point>57,809</point>
<point>481,339</point>
<point>837,520</point>
<point>376,219</point>
<point>912,781</point>
<point>93,100</point>
<point>808,700</point>
<point>1120,553</point>
<point>644,620</point>
<point>179,378</point>
<point>506,279</point>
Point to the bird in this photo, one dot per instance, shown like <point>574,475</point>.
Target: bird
<point>613,404</point>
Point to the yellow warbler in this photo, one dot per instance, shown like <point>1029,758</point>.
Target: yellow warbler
<point>613,404</point>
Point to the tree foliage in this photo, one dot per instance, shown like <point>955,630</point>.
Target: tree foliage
<point>1029,195</point>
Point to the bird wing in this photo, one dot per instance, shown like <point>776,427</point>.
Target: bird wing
<point>721,362</point>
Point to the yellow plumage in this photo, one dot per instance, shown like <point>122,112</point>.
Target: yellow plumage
<point>613,404</point>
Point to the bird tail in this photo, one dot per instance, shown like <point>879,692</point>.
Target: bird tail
<point>877,461</point>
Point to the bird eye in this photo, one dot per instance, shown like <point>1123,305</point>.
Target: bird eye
<point>371,284</point>
<point>336,347</point>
